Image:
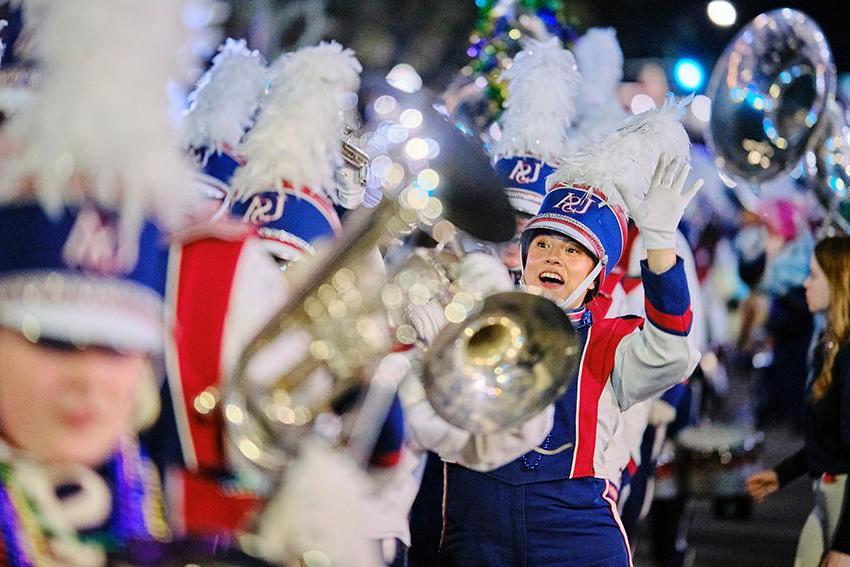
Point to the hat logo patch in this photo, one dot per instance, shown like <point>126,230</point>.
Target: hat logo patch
<point>525,173</point>
<point>93,244</point>
<point>264,209</point>
<point>574,204</point>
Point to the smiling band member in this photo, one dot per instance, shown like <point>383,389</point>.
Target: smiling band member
<point>554,505</point>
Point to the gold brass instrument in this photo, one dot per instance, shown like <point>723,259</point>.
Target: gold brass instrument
<point>337,317</point>
<point>332,311</point>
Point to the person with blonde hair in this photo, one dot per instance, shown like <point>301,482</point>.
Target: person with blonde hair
<point>825,538</point>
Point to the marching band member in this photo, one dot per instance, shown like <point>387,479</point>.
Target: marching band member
<point>284,189</point>
<point>540,111</point>
<point>216,317</point>
<point>535,130</point>
<point>82,270</point>
<point>553,505</point>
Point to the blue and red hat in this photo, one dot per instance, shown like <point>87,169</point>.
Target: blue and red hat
<point>286,185</point>
<point>212,181</point>
<point>584,214</point>
<point>81,260</point>
<point>540,109</point>
<point>290,222</point>
<point>524,181</point>
<point>75,278</point>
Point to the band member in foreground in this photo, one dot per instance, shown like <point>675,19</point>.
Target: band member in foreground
<point>554,505</point>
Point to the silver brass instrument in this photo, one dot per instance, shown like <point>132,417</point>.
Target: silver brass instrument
<point>828,167</point>
<point>503,364</point>
<point>338,313</point>
<point>769,91</point>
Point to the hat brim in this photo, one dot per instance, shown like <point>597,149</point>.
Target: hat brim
<point>86,311</point>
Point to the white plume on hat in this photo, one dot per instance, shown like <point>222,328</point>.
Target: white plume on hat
<point>296,136</point>
<point>600,62</point>
<point>543,83</point>
<point>625,159</point>
<point>101,112</point>
<point>225,100</point>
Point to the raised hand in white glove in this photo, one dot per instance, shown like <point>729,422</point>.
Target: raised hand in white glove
<point>482,274</point>
<point>660,211</point>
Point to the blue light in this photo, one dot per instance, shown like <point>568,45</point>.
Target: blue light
<point>689,74</point>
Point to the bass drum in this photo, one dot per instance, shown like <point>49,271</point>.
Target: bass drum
<point>715,461</point>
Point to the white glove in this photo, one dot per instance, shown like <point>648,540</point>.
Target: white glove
<point>427,320</point>
<point>658,215</point>
<point>392,493</point>
<point>661,413</point>
<point>320,511</point>
<point>480,452</point>
<point>482,274</point>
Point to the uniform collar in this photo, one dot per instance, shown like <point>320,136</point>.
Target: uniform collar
<point>580,317</point>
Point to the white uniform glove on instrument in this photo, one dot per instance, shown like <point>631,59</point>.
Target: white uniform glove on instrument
<point>427,320</point>
<point>658,215</point>
<point>428,431</point>
<point>481,274</point>
<point>478,274</point>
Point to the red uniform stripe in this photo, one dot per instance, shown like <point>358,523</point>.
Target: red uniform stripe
<point>596,367</point>
<point>385,460</point>
<point>201,308</point>
<point>679,324</point>
<point>209,507</point>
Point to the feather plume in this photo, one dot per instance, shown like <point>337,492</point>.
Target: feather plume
<point>542,86</point>
<point>296,136</point>
<point>223,104</point>
<point>600,62</point>
<point>101,113</point>
<point>626,157</point>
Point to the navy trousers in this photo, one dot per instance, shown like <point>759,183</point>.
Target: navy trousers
<point>491,523</point>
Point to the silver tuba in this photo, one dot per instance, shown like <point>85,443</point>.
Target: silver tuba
<point>769,92</point>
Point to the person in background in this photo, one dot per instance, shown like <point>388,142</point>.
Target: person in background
<point>82,272</point>
<point>775,248</point>
<point>825,456</point>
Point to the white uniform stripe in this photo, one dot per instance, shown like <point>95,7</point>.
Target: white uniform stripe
<point>578,399</point>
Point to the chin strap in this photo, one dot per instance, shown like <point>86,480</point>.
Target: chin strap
<point>579,291</point>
